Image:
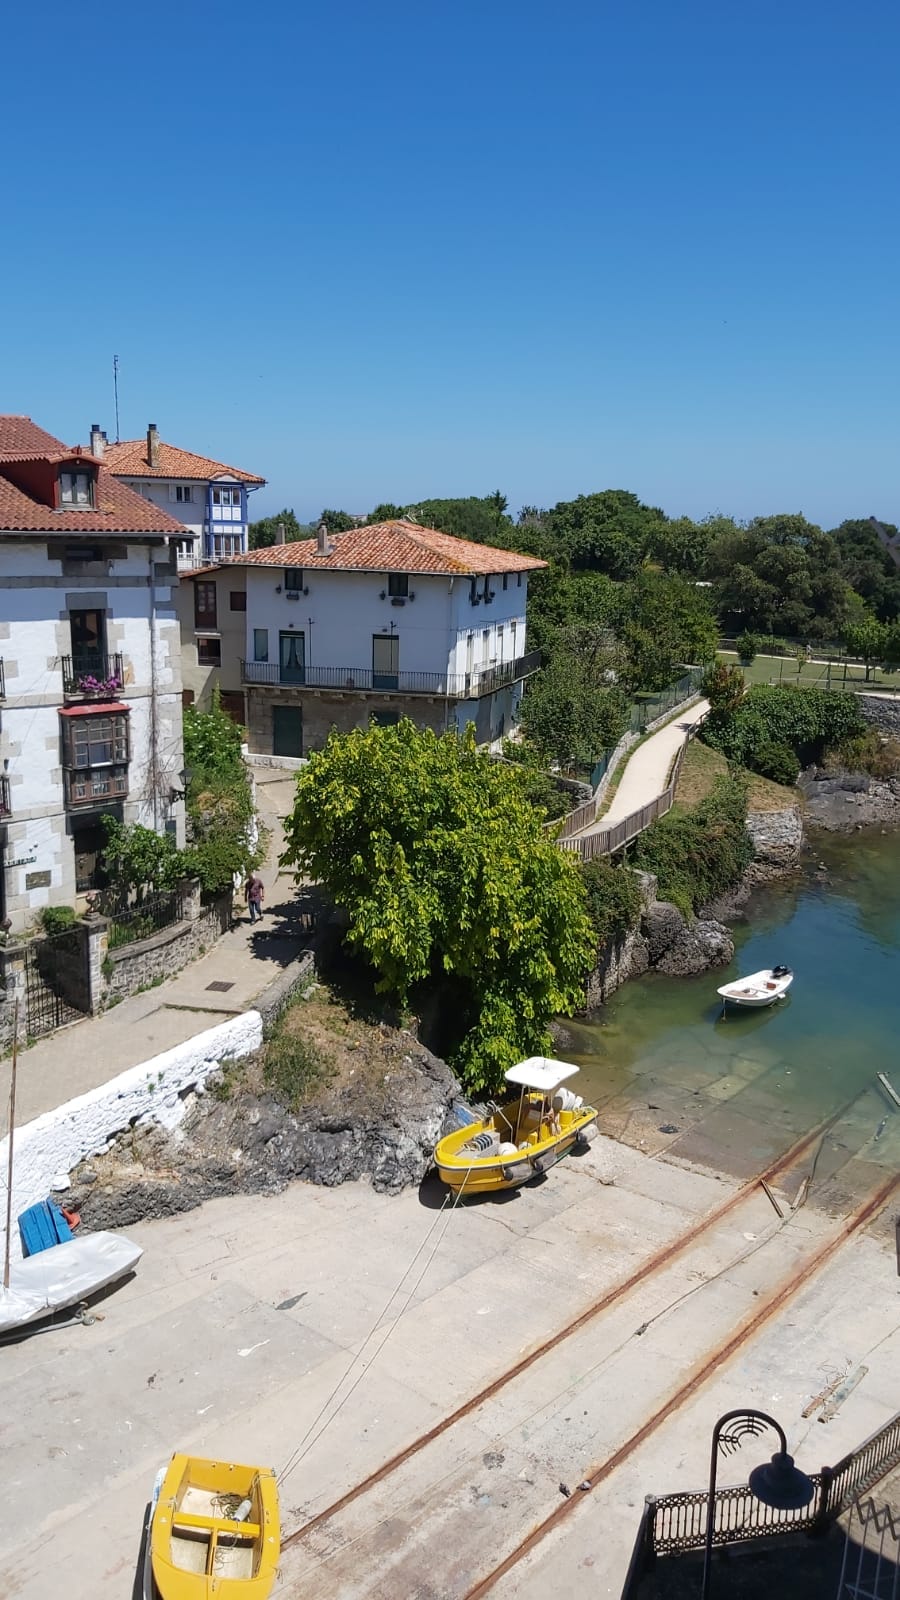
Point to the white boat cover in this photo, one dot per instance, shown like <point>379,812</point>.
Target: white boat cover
<point>540,1072</point>
<point>63,1275</point>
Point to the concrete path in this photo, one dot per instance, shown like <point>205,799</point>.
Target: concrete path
<point>251,1322</point>
<point>89,1052</point>
<point>647,770</point>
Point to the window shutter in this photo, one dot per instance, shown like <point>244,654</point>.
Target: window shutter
<point>172,495</point>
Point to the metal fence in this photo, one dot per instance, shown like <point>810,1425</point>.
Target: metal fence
<point>674,1523</point>
<point>448,685</point>
<point>130,921</point>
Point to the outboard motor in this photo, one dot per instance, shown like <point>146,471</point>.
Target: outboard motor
<point>781,972</point>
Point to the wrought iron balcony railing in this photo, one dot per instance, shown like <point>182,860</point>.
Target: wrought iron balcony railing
<point>451,686</point>
<point>93,675</point>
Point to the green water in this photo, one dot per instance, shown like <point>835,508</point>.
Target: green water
<point>669,1072</point>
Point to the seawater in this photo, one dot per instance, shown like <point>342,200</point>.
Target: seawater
<point>668,1070</point>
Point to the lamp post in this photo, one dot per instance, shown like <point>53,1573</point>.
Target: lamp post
<point>777,1483</point>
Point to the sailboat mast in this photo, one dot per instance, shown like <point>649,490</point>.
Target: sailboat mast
<point>12,1124</point>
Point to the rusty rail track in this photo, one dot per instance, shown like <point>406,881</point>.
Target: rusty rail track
<point>700,1375</point>
<point>660,1259</point>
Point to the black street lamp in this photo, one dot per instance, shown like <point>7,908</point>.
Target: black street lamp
<point>777,1483</point>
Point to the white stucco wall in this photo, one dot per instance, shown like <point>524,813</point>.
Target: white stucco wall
<point>344,610</point>
<point>46,1150</point>
<point>34,636</point>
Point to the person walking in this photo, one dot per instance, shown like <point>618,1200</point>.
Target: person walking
<point>255,895</point>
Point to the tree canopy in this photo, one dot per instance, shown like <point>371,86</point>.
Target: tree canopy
<point>446,873</point>
<point>265,532</point>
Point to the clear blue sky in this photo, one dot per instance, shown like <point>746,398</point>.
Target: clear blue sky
<point>385,249</point>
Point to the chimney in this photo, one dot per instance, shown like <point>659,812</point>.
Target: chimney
<point>279,533</point>
<point>98,439</point>
<point>324,546</point>
<point>153,445</point>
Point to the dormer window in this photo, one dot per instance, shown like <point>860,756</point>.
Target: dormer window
<point>76,490</point>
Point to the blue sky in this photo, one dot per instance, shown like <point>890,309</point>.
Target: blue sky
<point>387,250</point>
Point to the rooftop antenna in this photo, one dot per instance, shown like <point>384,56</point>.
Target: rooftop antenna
<point>116,392</point>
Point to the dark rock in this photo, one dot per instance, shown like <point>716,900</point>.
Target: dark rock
<point>661,925</point>
<point>845,802</point>
<point>697,948</point>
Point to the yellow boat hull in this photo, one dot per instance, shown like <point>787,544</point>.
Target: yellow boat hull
<point>467,1172</point>
<point>199,1548</point>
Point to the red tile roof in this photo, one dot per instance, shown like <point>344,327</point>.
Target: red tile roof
<point>22,440</point>
<point>118,508</point>
<point>393,547</point>
<point>129,460</point>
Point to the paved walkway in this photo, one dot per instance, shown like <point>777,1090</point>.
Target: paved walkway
<point>90,1052</point>
<point>647,770</point>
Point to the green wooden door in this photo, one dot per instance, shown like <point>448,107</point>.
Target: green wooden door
<point>287,731</point>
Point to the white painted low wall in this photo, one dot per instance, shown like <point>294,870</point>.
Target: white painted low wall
<point>46,1150</point>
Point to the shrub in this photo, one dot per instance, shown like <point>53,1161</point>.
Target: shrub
<point>807,721</point>
<point>613,900</point>
<point>723,687</point>
<point>292,1066</point>
<point>776,761</point>
<point>747,646</point>
<point>57,919</point>
<point>700,853</point>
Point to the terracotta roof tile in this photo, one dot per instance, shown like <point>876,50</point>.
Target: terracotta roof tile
<point>118,508</point>
<point>129,460</point>
<point>393,547</point>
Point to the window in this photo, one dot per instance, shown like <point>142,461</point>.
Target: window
<point>485,646</point>
<point>76,489</point>
<point>293,578</point>
<point>88,630</point>
<point>292,657</point>
<point>518,580</point>
<point>205,610</point>
<point>237,600</point>
<point>398,585</point>
<point>95,741</point>
<point>260,644</point>
<point>506,580</point>
<point>209,652</point>
<point>219,545</point>
<point>184,494</point>
<point>226,497</point>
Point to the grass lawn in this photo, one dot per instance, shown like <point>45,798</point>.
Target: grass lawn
<point>701,767</point>
<point>813,674</point>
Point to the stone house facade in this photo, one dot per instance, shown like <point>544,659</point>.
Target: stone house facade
<point>384,621</point>
<point>90,668</point>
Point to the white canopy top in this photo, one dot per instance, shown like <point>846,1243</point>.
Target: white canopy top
<point>540,1072</point>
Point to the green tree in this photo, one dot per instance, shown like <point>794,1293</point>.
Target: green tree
<point>575,708</point>
<point>265,532</point>
<point>386,512</point>
<point>223,835</point>
<point>138,861</point>
<point>723,687</point>
<point>483,520</point>
<point>669,624</point>
<point>337,521</point>
<point>867,640</point>
<point>446,874</point>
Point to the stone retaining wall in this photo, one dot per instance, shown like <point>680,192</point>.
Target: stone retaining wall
<point>884,714</point>
<point>133,966</point>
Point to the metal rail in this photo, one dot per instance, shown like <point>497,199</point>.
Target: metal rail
<point>661,1258</point>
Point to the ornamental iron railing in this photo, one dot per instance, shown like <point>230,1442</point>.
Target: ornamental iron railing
<point>451,686</point>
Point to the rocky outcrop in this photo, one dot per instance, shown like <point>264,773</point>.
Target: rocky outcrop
<point>883,713</point>
<point>662,925</point>
<point>699,946</point>
<point>843,801</point>
<point>249,1144</point>
<point>777,839</point>
<point>627,957</point>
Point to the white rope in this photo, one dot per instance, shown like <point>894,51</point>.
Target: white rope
<point>312,1437</point>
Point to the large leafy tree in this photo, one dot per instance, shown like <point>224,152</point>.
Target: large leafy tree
<point>484,520</point>
<point>265,532</point>
<point>869,568</point>
<point>611,532</point>
<point>446,872</point>
<point>223,833</point>
<point>669,623</point>
<point>575,708</point>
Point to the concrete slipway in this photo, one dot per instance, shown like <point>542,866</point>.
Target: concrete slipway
<point>244,1319</point>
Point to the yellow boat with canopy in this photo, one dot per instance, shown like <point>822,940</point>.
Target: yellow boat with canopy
<point>214,1532</point>
<point>522,1137</point>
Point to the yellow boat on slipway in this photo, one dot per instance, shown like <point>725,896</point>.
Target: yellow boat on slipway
<point>214,1532</point>
<point>521,1138</point>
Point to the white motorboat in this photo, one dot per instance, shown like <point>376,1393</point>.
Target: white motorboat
<point>759,989</point>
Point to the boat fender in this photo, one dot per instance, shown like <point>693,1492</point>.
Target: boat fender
<point>565,1100</point>
<point>243,1511</point>
<point>507,1149</point>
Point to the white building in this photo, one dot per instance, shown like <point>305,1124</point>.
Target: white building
<point>207,497</point>
<point>90,714</point>
<point>384,621</point>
